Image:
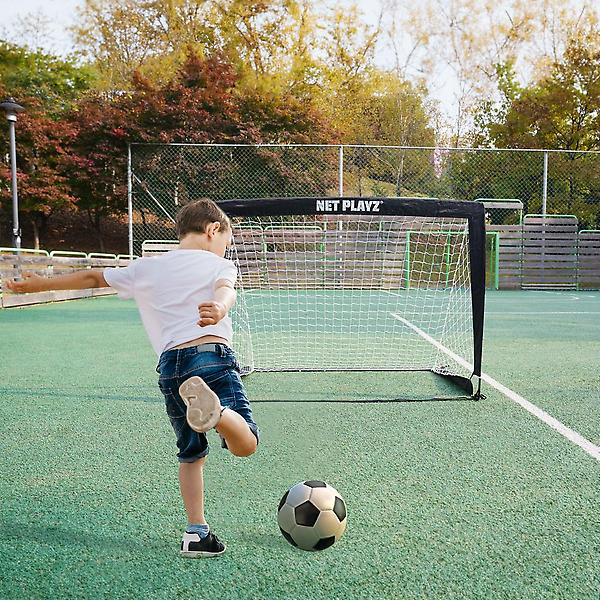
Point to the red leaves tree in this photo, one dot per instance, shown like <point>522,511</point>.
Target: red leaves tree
<point>76,159</point>
<point>42,162</point>
<point>200,105</point>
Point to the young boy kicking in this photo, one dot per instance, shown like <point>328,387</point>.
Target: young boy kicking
<point>183,297</point>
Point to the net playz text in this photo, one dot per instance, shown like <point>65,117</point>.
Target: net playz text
<point>349,205</point>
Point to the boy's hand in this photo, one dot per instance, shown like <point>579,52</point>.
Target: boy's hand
<point>211,313</point>
<point>31,283</point>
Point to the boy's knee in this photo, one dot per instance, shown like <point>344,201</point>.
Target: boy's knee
<point>245,449</point>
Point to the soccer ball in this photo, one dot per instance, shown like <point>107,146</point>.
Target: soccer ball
<point>312,515</point>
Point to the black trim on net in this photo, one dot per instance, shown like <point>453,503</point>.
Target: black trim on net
<point>477,260</point>
<point>474,212</point>
<point>464,383</point>
<point>413,207</point>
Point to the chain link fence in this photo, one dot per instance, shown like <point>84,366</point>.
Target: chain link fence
<point>163,177</point>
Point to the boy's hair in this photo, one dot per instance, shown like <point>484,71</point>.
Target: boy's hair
<point>196,215</point>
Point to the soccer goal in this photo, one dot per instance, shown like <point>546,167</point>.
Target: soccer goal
<point>360,284</point>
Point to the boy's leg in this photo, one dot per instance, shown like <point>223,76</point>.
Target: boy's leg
<point>198,541</point>
<point>191,485</point>
<point>204,411</point>
<point>238,435</point>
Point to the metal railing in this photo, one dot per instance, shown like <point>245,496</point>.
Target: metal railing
<point>11,250</point>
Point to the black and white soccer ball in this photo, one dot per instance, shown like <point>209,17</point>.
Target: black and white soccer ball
<point>312,515</point>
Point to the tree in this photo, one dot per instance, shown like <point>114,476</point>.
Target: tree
<point>46,86</point>
<point>269,42</point>
<point>151,37</point>
<point>282,46</point>
<point>561,111</point>
<point>199,105</point>
<point>42,161</point>
<point>54,82</point>
<point>346,71</point>
<point>390,112</point>
<point>456,46</point>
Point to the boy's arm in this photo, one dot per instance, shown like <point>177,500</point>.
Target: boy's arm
<point>79,280</point>
<point>212,312</point>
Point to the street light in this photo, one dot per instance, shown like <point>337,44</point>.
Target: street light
<point>11,108</point>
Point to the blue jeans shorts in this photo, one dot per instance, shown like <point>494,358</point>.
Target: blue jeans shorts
<point>221,372</point>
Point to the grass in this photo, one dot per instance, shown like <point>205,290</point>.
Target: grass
<point>445,500</point>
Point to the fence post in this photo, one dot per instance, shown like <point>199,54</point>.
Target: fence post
<point>129,201</point>
<point>545,184</point>
<point>341,171</point>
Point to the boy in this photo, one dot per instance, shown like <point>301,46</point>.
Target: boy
<point>183,298</point>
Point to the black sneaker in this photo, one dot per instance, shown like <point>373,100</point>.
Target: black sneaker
<point>192,546</point>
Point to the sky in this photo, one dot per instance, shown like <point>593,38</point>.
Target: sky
<point>60,12</point>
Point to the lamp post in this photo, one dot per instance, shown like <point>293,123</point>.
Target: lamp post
<point>11,109</point>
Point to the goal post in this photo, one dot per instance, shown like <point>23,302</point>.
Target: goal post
<point>360,284</point>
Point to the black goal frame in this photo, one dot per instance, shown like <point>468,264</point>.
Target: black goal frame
<point>474,212</point>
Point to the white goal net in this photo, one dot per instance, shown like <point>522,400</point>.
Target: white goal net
<point>337,293</point>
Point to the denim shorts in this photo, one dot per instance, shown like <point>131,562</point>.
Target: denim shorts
<point>221,372</point>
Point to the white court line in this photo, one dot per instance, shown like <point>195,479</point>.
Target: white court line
<point>563,294</point>
<point>544,312</point>
<point>570,434</point>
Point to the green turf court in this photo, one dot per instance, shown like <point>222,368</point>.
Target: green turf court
<point>445,499</point>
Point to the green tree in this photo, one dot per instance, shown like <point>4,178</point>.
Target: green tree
<point>54,82</point>
<point>561,111</point>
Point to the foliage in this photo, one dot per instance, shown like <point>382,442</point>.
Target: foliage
<point>46,86</point>
<point>42,164</point>
<point>200,105</point>
<point>301,71</point>
<point>53,82</point>
<point>561,111</point>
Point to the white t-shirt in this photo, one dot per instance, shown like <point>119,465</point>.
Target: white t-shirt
<point>167,290</point>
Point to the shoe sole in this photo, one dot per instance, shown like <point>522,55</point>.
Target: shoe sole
<point>203,406</point>
<point>201,554</point>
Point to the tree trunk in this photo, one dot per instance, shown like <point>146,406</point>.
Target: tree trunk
<point>36,234</point>
<point>42,226</point>
<point>95,222</point>
<point>99,231</point>
<point>400,175</point>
